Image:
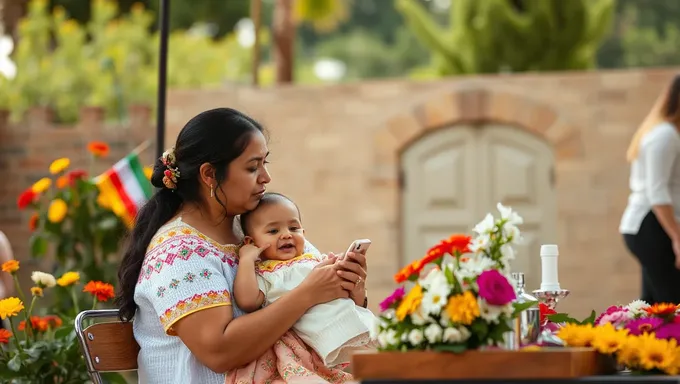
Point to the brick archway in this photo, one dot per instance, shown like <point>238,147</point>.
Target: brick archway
<point>475,106</point>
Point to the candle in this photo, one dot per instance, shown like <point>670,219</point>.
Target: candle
<point>549,278</point>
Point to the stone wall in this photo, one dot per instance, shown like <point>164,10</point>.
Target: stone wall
<point>335,150</point>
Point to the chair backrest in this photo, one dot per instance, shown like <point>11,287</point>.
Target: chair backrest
<point>107,346</point>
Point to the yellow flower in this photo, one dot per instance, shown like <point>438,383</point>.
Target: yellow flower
<point>10,266</point>
<point>9,307</point>
<point>58,166</point>
<point>608,340</point>
<point>37,291</point>
<point>463,308</point>
<point>577,335</point>
<point>657,353</point>
<point>68,278</point>
<point>57,211</point>
<point>41,185</point>
<point>148,171</point>
<point>410,303</point>
<point>629,353</point>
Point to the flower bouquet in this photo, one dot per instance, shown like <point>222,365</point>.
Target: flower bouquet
<point>461,298</point>
<point>641,337</point>
<point>44,348</point>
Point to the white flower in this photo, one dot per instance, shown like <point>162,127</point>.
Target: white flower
<point>43,279</point>
<point>435,277</point>
<point>475,265</point>
<point>510,216</point>
<point>417,318</point>
<point>507,253</point>
<point>445,319</point>
<point>637,307</point>
<point>433,333</point>
<point>452,335</point>
<point>464,333</point>
<point>489,312</point>
<point>436,292</point>
<point>480,243</point>
<point>513,233</point>
<point>387,338</point>
<point>415,337</point>
<point>485,226</point>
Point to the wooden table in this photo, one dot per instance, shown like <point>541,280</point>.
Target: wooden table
<point>621,378</point>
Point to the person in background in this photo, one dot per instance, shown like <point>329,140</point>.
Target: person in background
<point>6,282</point>
<point>650,222</point>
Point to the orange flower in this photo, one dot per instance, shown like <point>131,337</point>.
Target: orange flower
<point>36,323</point>
<point>98,148</point>
<point>102,291</point>
<point>4,336</point>
<point>33,222</point>
<point>662,309</point>
<point>454,244</point>
<point>75,175</point>
<point>62,182</point>
<point>53,321</point>
<point>10,266</point>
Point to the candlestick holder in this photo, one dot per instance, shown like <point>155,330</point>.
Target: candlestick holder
<point>550,297</point>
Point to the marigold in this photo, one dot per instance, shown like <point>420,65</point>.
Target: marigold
<point>10,266</point>
<point>98,148</point>
<point>33,222</point>
<point>62,182</point>
<point>463,308</point>
<point>58,166</point>
<point>37,323</point>
<point>41,185</point>
<point>68,278</point>
<point>661,309</point>
<point>410,303</point>
<point>4,336</point>
<point>101,291</point>
<point>9,307</point>
<point>53,321</point>
<point>608,340</point>
<point>657,353</point>
<point>26,198</point>
<point>57,211</point>
<point>37,291</point>
<point>575,335</point>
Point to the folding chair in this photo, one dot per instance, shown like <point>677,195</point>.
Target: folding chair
<point>107,347</point>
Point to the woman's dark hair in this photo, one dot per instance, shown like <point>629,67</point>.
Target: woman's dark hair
<point>268,198</point>
<point>217,136</point>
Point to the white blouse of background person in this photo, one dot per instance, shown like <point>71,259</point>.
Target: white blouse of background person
<point>654,177</point>
<point>5,255</point>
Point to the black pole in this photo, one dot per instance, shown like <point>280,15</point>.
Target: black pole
<point>164,22</point>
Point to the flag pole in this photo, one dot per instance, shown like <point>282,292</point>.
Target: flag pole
<point>164,23</point>
<point>142,147</point>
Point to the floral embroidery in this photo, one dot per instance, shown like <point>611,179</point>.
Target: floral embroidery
<point>161,291</point>
<point>174,284</point>
<point>268,266</point>
<point>189,277</point>
<point>206,274</point>
<point>193,304</point>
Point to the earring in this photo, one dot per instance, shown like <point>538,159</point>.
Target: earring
<point>212,191</point>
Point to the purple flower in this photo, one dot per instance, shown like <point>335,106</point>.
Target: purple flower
<point>397,295</point>
<point>495,288</point>
<point>644,325</point>
<point>668,331</point>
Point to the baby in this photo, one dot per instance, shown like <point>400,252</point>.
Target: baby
<point>335,329</point>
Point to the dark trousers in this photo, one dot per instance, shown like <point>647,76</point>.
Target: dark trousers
<point>652,247</point>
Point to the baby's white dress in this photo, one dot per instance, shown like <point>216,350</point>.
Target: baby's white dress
<point>335,329</point>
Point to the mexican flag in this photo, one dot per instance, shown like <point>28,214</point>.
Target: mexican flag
<point>126,187</point>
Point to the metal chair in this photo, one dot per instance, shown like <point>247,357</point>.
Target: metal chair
<point>108,346</point>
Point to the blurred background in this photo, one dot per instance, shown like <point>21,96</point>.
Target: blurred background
<point>402,121</point>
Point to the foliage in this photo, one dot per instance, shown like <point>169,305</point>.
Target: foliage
<point>466,301</point>
<point>641,337</point>
<point>44,349</point>
<point>71,219</point>
<point>111,61</point>
<point>491,36</point>
<point>323,15</point>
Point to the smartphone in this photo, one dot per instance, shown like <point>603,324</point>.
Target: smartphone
<point>358,246</point>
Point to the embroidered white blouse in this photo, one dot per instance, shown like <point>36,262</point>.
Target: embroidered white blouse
<point>335,329</point>
<point>183,272</point>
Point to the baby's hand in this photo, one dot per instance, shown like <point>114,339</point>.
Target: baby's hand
<point>250,252</point>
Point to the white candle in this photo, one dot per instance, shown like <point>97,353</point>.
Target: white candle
<point>549,278</point>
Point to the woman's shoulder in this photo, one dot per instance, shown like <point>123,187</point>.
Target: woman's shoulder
<point>662,132</point>
<point>177,243</point>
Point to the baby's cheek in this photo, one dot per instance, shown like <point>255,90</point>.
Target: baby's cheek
<point>270,253</point>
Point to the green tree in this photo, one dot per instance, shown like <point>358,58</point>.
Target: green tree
<point>490,36</point>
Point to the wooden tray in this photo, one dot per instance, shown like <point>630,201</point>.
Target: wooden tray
<point>552,363</point>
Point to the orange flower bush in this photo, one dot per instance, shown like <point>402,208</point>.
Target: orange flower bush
<point>42,348</point>
<point>98,148</point>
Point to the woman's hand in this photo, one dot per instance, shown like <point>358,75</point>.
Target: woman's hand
<point>352,268</point>
<point>324,284</point>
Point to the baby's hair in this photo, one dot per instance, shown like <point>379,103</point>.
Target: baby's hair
<point>269,198</point>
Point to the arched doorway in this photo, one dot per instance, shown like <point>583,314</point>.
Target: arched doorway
<point>454,176</point>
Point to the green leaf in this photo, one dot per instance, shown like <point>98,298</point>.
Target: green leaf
<point>454,348</point>
<point>519,307</point>
<point>480,328</point>
<point>413,277</point>
<point>114,378</point>
<point>63,332</point>
<point>562,318</point>
<point>590,319</point>
<point>14,364</point>
<point>38,245</point>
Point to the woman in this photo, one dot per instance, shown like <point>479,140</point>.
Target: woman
<point>650,222</point>
<point>179,265</point>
